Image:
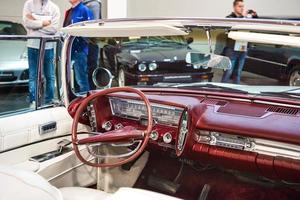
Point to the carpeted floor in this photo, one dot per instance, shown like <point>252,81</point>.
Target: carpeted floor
<point>223,185</point>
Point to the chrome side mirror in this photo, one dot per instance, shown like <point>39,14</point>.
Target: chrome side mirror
<point>102,78</point>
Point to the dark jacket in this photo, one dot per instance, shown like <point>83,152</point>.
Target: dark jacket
<point>233,15</point>
<point>229,49</point>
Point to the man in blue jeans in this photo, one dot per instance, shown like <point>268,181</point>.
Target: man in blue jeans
<point>237,60</point>
<point>237,57</point>
<point>41,18</point>
<point>78,13</point>
<point>48,69</point>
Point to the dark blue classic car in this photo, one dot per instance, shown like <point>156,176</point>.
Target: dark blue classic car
<point>275,61</point>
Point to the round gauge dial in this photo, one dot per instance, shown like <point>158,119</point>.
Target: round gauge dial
<point>167,138</point>
<point>183,131</point>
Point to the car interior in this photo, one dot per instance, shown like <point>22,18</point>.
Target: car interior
<point>161,141</point>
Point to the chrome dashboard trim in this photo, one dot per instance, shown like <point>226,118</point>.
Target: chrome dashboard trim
<point>267,61</point>
<point>248,144</point>
<point>276,149</point>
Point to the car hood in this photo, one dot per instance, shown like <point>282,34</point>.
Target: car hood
<point>157,54</point>
<point>13,51</point>
<point>13,65</point>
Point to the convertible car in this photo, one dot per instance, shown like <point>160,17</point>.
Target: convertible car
<point>165,141</point>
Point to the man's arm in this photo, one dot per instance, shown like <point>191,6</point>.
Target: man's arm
<point>52,29</point>
<point>28,20</point>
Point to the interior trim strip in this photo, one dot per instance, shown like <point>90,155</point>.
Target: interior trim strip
<point>36,142</point>
<point>68,170</point>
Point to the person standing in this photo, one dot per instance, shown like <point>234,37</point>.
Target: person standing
<point>237,52</point>
<point>78,13</point>
<point>93,55</point>
<point>41,18</point>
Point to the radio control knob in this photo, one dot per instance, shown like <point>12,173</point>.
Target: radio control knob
<point>167,138</point>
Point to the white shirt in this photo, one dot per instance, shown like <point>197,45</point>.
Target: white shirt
<point>41,10</point>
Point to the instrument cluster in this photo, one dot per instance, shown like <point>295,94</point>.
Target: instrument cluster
<point>136,110</point>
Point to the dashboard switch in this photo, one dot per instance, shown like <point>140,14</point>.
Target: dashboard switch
<point>167,138</point>
<point>107,126</point>
<point>119,126</point>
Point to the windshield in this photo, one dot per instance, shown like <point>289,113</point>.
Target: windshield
<point>204,59</point>
<point>152,42</point>
<point>10,28</point>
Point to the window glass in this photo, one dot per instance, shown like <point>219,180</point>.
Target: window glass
<point>15,58</point>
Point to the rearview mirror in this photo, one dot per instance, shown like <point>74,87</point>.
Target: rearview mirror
<point>102,78</point>
<point>200,60</point>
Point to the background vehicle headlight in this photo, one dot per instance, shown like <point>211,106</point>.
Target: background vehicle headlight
<point>142,67</point>
<point>153,66</point>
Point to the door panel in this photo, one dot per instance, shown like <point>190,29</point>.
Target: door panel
<point>20,122</point>
<point>24,128</point>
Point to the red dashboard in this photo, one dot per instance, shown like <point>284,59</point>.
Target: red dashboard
<point>261,137</point>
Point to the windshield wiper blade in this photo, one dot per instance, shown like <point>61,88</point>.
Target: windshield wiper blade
<point>281,94</point>
<point>212,87</point>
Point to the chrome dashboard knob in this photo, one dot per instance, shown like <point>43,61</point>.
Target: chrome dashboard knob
<point>167,138</point>
<point>154,135</point>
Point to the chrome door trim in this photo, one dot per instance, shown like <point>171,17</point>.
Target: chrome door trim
<point>267,61</point>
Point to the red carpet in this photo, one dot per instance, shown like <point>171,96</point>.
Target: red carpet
<point>224,185</point>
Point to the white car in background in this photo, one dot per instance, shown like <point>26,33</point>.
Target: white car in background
<point>13,62</point>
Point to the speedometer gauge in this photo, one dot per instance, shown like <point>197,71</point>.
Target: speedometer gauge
<point>183,131</point>
<point>132,109</point>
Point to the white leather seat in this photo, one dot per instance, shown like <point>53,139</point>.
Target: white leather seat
<point>138,194</point>
<point>16,184</point>
<point>20,184</point>
<point>78,193</point>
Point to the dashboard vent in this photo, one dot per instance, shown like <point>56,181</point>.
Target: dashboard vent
<point>283,110</point>
<point>214,102</point>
